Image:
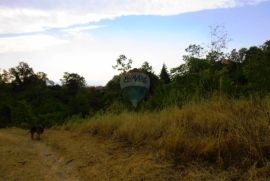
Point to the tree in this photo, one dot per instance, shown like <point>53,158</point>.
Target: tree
<point>73,82</point>
<point>234,56</point>
<point>238,56</point>
<point>164,75</point>
<point>21,74</point>
<point>257,69</point>
<point>123,64</point>
<point>154,80</point>
<point>146,67</point>
<point>179,71</point>
<point>112,90</point>
<point>79,104</point>
<point>42,76</point>
<point>242,53</point>
<point>218,42</point>
<point>266,46</point>
<point>195,50</point>
<point>5,76</point>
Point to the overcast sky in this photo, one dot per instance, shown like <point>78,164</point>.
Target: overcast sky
<point>87,36</point>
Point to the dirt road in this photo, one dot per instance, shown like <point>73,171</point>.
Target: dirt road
<point>25,159</point>
<point>69,156</point>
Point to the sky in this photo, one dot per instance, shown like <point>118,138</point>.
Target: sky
<point>87,36</point>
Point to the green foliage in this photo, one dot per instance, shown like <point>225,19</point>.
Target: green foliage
<point>194,51</point>
<point>21,74</point>
<point>164,75</point>
<point>22,114</point>
<point>146,67</point>
<point>28,98</point>
<point>123,64</point>
<point>72,82</point>
<point>5,115</point>
<point>257,67</point>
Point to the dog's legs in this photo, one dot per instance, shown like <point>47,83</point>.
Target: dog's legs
<point>32,135</point>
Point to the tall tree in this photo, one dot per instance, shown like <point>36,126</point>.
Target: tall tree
<point>164,75</point>
<point>218,42</point>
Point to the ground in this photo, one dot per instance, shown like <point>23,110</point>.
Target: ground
<point>65,155</point>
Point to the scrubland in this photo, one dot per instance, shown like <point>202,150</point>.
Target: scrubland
<point>217,139</point>
<point>232,136</point>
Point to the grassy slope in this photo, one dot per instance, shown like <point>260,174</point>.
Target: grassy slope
<point>72,156</point>
<point>233,136</point>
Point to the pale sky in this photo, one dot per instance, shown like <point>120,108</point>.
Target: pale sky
<point>87,36</point>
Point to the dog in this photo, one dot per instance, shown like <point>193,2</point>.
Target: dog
<point>38,129</point>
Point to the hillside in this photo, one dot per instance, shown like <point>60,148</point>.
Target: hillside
<point>216,140</point>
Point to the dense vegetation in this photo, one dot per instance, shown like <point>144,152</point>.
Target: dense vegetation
<point>28,97</point>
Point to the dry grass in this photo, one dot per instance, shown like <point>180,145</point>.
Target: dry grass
<point>72,156</point>
<point>221,133</point>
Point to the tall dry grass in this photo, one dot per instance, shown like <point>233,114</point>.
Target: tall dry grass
<point>219,131</point>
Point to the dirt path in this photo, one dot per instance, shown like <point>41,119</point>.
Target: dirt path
<point>68,156</point>
<point>25,159</point>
